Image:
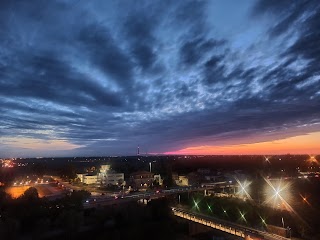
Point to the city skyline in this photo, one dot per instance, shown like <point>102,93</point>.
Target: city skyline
<point>95,78</point>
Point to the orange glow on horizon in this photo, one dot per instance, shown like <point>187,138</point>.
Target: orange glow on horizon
<point>304,144</point>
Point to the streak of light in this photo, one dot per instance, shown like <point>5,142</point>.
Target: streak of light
<point>278,195</point>
<point>244,189</point>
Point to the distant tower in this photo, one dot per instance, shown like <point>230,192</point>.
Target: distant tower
<point>138,151</point>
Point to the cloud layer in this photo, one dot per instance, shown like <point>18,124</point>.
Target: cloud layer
<point>165,75</point>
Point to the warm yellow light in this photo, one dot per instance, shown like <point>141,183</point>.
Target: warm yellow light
<point>302,144</point>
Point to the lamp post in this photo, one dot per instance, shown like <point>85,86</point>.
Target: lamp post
<point>150,166</point>
<point>289,232</point>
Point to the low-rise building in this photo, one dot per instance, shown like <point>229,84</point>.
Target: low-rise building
<point>141,179</point>
<point>80,176</point>
<point>106,176</point>
<point>157,178</point>
<point>90,179</point>
<point>182,181</point>
<point>175,176</point>
<point>112,178</point>
<point>204,171</point>
<point>105,168</point>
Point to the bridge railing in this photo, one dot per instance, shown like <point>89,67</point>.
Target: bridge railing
<point>225,226</point>
<point>210,223</point>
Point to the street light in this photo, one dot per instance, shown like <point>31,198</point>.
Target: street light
<point>289,231</point>
<point>305,200</point>
<point>244,189</point>
<point>263,220</point>
<point>278,193</point>
<point>209,207</point>
<point>242,215</point>
<point>267,159</point>
<point>196,204</point>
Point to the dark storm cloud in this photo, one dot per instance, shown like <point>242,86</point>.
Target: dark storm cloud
<point>305,15</point>
<point>46,77</point>
<point>139,31</point>
<point>214,69</point>
<point>166,75</point>
<point>103,51</point>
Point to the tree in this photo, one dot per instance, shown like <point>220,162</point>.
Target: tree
<point>77,197</point>
<point>38,169</point>
<point>9,228</point>
<point>71,221</point>
<point>68,172</point>
<point>156,183</point>
<point>31,194</point>
<point>4,197</point>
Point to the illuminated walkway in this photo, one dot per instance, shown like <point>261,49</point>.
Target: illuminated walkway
<point>225,226</point>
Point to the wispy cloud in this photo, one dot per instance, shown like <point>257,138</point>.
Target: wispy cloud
<point>167,75</point>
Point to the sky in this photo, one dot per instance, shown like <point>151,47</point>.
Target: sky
<point>93,78</point>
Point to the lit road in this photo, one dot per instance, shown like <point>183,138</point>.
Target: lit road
<point>222,225</point>
<point>95,201</point>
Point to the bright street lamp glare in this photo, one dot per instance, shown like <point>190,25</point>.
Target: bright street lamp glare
<point>196,204</point>
<point>244,189</point>
<point>243,216</point>
<point>278,194</point>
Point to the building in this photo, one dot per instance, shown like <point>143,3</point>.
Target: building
<point>182,181</point>
<point>105,177</point>
<point>87,179</point>
<point>90,179</point>
<point>105,168</point>
<point>141,179</point>
<point>112,178</point>
<point>157,178</point>
<point>81,176</point>
<point>108,177</point>
<point>194,178</point>
<point>175,177</point>
<point>205,171</point>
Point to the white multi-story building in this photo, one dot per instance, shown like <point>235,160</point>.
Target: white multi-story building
<point>90,179</point>
<point>108,177</point>
<point>80,176</point>
<point>104,177</point>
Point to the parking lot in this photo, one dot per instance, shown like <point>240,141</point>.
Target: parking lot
<point>43,190</point>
